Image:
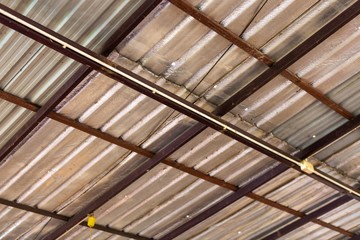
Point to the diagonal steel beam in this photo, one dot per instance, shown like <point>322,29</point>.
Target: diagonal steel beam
<point>313,215</point>
<point>19,137</point>
<point>302,215</point>
<point>315,39</point>
<point>65,218</point>
<point>331,137</point>
<point>241,192</point>
<point>265,177</point>
<point>121,143</point>
<point>262,57</point>
<point>41,34</point>
<point>67,47</point>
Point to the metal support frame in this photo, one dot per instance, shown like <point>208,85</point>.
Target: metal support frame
<point>47,109</point>
<point>73,50</point>
<point>262,179</point>
<point>265,177</point>
<point>241,192</point>
<point>313,215</point>
<point>315,147</point>
<point>17,139</point>
<point>75,56</point>
<point>256,53</point>
<point>65,218</point>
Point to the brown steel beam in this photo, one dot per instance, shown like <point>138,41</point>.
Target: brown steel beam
<point>19,137</point>
<point>146,90</point>
<point>239,193</point>
<point>129,25</point>
<point>65,218</point>
<point>256,53</point>
<point>222,31</point>
<point>308,218</point>
<point>264,178</point>
<point>331,137</point>
<point>300,214</point>
<point>132,147</point>
<point>76,124</point>
<point>65,46</point>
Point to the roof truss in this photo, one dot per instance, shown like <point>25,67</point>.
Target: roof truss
<point>315,147</point>
<point>274,69</point>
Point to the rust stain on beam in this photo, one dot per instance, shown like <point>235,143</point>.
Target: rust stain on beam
<point>18,138</point>
<point>179,142</point>
<point>132,80</point>
<point>221,30</point>
<point>256,53</point>
<point>132,147</point>
<point>308,218</point>
<point>316,94</point>
<point>355,237</point>
<point>299,214</point>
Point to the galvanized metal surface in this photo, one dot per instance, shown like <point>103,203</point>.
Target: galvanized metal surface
<point>63,169</point>
<point>35,72</point>
<point>212,140</point>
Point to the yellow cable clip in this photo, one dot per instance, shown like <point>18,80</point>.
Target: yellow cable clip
<point>306,166</point>
<point>91,220</point>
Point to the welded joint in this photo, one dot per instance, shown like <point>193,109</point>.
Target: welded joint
<point>306,166</point>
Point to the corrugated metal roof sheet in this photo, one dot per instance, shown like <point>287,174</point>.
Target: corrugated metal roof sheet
<point>63,169</point>
<point>34,72</point>
<point>8,124</point>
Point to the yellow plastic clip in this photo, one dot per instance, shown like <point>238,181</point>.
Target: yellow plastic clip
<point>306,166</point>
<point>91,221</point>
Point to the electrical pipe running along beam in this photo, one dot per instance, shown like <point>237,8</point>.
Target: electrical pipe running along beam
<point>85,56</point>
<point>211,179</point>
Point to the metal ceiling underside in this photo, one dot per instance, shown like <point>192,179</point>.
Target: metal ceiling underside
<point>76,141</point>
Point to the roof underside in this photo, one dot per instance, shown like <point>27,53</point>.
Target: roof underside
<point>61,168</point>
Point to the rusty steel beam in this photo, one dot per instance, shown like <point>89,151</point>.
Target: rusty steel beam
<point>150,90</point>
<point>267,176</point>
<point>19,137</point>
<point>65,218</point>
<point>239,193</point>
<point>132,147</point>
<point>65,46</point>
<point>330,138</point>
<point>118,187</point>
<point>309,217</point>
<point>256,53</point>
<point>129,25</point>
<point>301,215</point>
<point>76,124</point>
